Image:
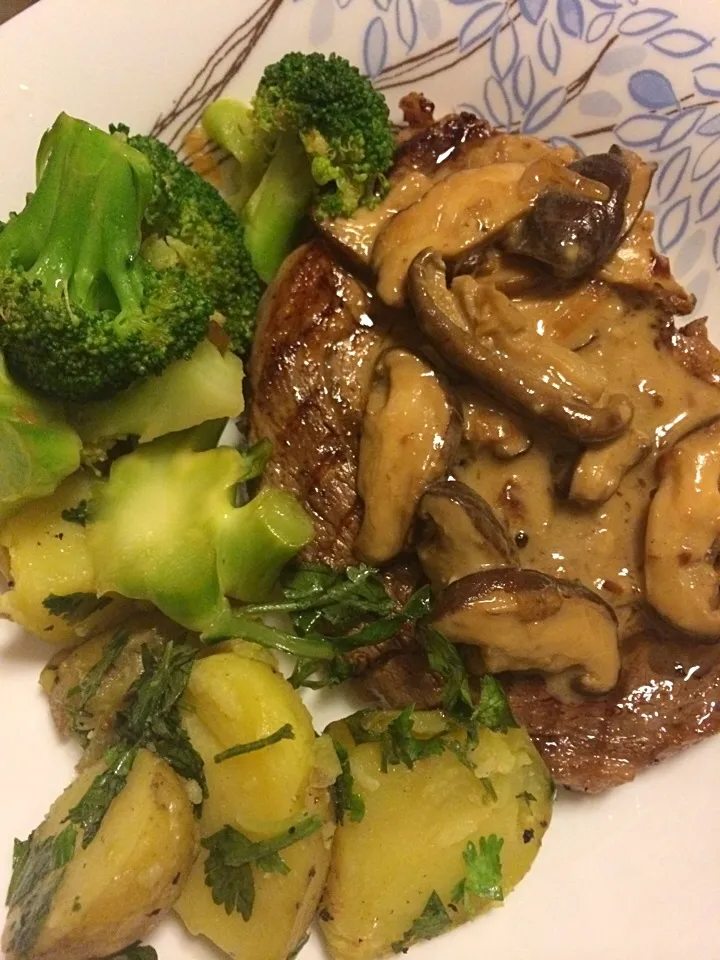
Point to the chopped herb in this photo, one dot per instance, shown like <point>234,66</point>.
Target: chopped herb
<point>346,800</point>
<point>398,742</point>
<point>433,921</point>
<point>21,852</point>
<point>77,905</point>
<point>136,951</point>
<point>527,797</point>
<point>74,607</point>
<point>493,710</point>
<point>489,788</point>
<point>285,732</point>
<point>483,871</point>
<point>78,514</point>
<point>81,694</point>
<point>446,662</point>
<point>90,811</point>
<point>228,868</point>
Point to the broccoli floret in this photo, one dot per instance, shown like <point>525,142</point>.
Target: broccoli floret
<point>333,145</point>
<point>208,386</point>
<point>83,315</point>
<point>165,529</point>
<point>37,447</point>
<point>191,225</point>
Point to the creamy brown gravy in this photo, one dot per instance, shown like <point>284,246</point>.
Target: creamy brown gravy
<point>600,545</point>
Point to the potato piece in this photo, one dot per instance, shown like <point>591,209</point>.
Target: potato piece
<point>417,825</point>
<point>235,700</point>
<point>47,555</point>
<point>114,890</point>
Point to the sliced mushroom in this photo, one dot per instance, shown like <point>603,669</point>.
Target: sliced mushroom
<point>682,543</point>
<point>526,620</point>
<point>477,329</point>
<point>636,264</point>
<point>490,425</point>
<point>641,178</point>
<point>459,533</point>
<point>409,436</point>
<point>573,233</point>
<point>600,469</point>
<point>466,209</point>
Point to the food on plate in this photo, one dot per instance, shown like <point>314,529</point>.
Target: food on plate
<point>439,827</point>
<point>475,473</point>
<point>86,884</point>
<point>267,825</point>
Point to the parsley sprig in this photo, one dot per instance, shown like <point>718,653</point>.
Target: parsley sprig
<point>433,921</point>
<point>483,872</point>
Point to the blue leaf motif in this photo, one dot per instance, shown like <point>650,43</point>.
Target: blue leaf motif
<point>679,43</point>
<point>680,127</point>
<point>645,21</point>
<point>716,248</point>
<point>343,3</point>
<point>383,5</point>
<point>462,3</point>
<point>549,47</point>
<point>430,18</point>
<point>544,111</point>
<point>504,49</point>
<point>497,103</point>
<point>533,10</point>
<point>599,103</point>
<point>599,26</point>
<point>673,223</point>
<point>709,202</point>
<point>652,89</point>
<point>606,4</point>
<point>482,22</point>
<point>375,47</point>
<point>707,79</point>
<point>642,130</point>
<point>711,127</point>
<point>672,173</point>
<point>707,161</point>
<point>566,142</point>
<point>523,84</point>
<point>406,21</point>
<point>571,17</point>
<point>621,59</point>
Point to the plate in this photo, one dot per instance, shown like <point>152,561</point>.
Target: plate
<point>634,872</point>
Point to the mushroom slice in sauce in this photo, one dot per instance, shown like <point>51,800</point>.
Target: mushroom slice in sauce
<point>682,544</point>
<point>486,424</point>
<point>477,329</point>
<point>459,533</point>
<point>574,233</point>
<point>526,620</point>
<point>599,470</point>
<point>409,436</point>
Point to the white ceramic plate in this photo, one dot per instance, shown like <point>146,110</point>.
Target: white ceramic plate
<point>636,872</point>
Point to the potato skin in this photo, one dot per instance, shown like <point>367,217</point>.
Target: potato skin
<point>48,555</point>
<point>131,873</point>
<point>231,700</point>
<point>416,826</point>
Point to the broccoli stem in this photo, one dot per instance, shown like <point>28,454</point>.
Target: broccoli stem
<point>276,209</point>
<point>257,542</point>
<point>231,125</point>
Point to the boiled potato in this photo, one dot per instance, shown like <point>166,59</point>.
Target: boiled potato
<point>44,555</point>
<point>232,699</point>
<point>416,827</point>
<point>115,889</point>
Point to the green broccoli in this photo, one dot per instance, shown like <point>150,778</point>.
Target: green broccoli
<point>332,145</point>
<point>83,315</point>
<point>208,386</point>
<point>37,447</point>
<point>165,529</point>
<point>191,226</point>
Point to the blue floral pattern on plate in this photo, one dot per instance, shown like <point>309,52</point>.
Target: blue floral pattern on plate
<point>648,80</point>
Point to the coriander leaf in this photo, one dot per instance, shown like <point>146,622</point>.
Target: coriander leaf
<point>80,695</point>
<point>346,800</point>
<point>527,797</point>
<point>74,607</point>
<point>420,604</point>
<point>90,811</point>
<point>136,951</point>
<point>64,846</point>
<point>21,852</point>
<point>433,921</point>
<point>228,868</point>
<point>326,673</point>
<point>168,738</point>
<point>446,662</point>
<point>78,514</point>
<point>489,788</point>
<point>398,743</point>
<point>285,732</point>
<point>254,460</point>
<point>493,710</point>
<point>483,871</point>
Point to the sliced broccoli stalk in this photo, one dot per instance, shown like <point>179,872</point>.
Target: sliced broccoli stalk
<point>231,125</point>
<point>37,447</point>
<point>166,530</point>
<point>83,315</point>
<point>208,386</point>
